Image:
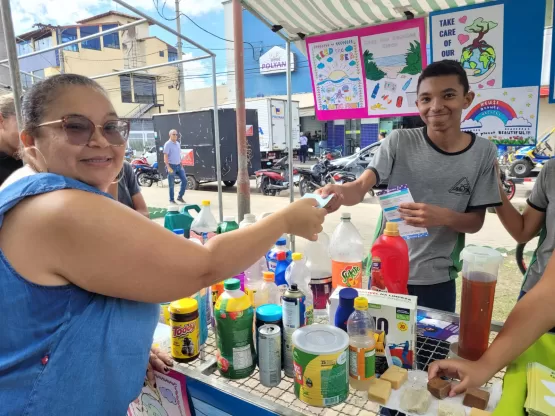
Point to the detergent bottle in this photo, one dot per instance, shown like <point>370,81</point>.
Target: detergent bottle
<point>176,219</point>
<point>271,257</point>
<point>281,268</point>
<point>390,262</point>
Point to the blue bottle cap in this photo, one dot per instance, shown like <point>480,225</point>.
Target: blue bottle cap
<point>281,242</point>
<point>179,231</point>
<point>269,313</point>
<point>347,296</point>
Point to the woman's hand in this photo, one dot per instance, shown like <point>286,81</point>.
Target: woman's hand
<point>470,373</point>
<point>304,218</point>
<point>159,361</point>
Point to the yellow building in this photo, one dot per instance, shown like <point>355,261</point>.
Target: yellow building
<point>135,96</point>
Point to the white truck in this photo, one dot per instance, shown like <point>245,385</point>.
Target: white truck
<point>271,126</point>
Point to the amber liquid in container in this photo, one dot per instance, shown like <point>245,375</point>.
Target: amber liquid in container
<point>478,292</point>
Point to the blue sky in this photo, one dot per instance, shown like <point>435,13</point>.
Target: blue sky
<point>206,13</point>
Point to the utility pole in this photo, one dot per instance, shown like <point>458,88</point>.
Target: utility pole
<point>180,68</point>
<point>243,181</point>
<point>59,31</point>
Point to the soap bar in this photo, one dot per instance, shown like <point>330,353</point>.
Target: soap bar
<point>450,409</point>
<point>379,391</point>
<point>396,376</point>
<point>439,388</point>
<point>416,400</point>
<point>476,398</point>
<point>478,412</point>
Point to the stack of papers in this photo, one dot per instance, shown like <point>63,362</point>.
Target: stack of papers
<point>540,400</point>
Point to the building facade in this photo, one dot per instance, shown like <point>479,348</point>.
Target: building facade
<point>135,96</point>
<point>259,49</point>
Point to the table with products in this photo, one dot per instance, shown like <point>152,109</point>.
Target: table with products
<point>208,388</point>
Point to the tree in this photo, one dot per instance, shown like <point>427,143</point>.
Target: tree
<point>413,60</point>
<point>373,73</point>
<point>481,27</point>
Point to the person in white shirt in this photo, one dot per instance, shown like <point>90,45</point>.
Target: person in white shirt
<point>303,152</point>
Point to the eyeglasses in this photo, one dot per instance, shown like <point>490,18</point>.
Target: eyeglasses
<point>79,130</point>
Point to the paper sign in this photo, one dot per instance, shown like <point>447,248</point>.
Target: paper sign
<point>250,130</point>
<point>187,157</point>
<point>390,199</point>
<point>322,202</point>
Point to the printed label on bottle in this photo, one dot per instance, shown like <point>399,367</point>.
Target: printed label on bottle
<point>362,363</point>
<point>251,293</point>
<point>309,315</point>
<point>347,274</point>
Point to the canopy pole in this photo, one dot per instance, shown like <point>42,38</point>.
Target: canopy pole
<point>243,180</point>
<point>217,140</point>
<point>9,36</point>
<point>289,131</point>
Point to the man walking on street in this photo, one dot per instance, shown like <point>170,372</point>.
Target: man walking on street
<point>303,152</point>
<point>172,159</point>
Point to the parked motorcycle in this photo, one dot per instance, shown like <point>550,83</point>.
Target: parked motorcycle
<point>275,179</point>
<point>341,177</point>
<point>147,174</point>
<point>316,177</point>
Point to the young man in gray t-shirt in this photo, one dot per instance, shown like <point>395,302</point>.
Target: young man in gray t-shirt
<point>451,176</point>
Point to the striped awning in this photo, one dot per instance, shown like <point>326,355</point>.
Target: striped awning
<point>313,17</point>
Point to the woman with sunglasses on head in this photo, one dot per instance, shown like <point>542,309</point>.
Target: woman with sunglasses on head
<point>79,289</point>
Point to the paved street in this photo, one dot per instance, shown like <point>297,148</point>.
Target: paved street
<point>364,215</point>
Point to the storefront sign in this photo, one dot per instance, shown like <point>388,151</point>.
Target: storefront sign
<point>474,37</point>
<point>505,116</point>
<point>368,72</point>
<point>275,61</point>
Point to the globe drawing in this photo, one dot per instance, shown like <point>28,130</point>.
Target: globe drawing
<point>478,60</point>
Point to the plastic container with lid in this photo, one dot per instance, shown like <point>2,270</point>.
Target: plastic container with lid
<point>281,268</point>
<point>362,353</point>
<point>390,262</point>
<point>269,292</point>
<point>320,358</point>
<point>268,314</point>
<point>347,253</point>
<point>229,224</point>
<point>184,323</point>
<point>318,261</point>
<point>297,273</point>
<point>346,307</point>
<point>204,225</point>
<point>253,281</point>
<point>248,219</point>
<point>176,219</point>
<point>271,257</point>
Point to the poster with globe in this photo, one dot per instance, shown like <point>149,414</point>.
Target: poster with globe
<point>337,76</point>
<point>474,37</point>
<point>506,116</point>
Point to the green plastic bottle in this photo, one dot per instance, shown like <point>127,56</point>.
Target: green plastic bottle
<point>228,225</point>
<point>174,219</point>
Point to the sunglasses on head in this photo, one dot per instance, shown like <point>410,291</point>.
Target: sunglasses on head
<point>79,130</point>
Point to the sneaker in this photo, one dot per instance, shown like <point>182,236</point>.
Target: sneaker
<point>180,199</point>
<point>172,202</point>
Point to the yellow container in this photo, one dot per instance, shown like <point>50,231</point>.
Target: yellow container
<point>184,322</point>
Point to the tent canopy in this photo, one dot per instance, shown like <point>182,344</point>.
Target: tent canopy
<point>313,17</point>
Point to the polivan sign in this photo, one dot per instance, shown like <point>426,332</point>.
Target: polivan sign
<point>275,61</point>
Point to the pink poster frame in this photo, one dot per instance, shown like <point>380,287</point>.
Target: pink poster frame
<point>324,115</point>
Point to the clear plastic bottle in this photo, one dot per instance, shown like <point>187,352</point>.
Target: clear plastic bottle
<point>347,253</point>
<point>253,281</point>
<point>269,292</point>
<point>297,273</point>
<point>362,344</point>
<point>248,219</point>
<point>204,225</point>
<point>318,261</point>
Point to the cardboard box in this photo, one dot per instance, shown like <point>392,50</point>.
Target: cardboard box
<point>396,316</point>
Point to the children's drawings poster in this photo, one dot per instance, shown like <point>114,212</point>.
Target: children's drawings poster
<point>169,398</point>
<point>337,74</point>
<point>368,72</point>
<point>392,63</point>
<point>474,37</point>
<point>504,115</point>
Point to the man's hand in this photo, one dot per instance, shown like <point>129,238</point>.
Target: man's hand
<point>423,215</point>
<point>170,170</point>
<point>338,197</point>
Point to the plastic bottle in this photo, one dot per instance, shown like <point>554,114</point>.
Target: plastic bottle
<point>248,219</point>
<point>318,261</point>
<point>347,252</point>
<point>281,268</point>
<point>297,273</point>
<point>176,219</point>
<point>204,225</point>
<point>269,292</point>
<point>227,225</point>
<point>271,257</point>
<point>346,307</point>
<point>390,261</point>
<point>235,342</point>
<point>253,281</point>
<point>362,344</point>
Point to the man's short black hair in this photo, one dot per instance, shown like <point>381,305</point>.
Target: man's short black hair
<point>445,68</point>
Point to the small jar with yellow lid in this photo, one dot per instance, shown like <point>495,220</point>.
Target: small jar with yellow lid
<point>184,322</point>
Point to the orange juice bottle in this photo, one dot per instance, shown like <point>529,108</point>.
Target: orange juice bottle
<point>346,252</point>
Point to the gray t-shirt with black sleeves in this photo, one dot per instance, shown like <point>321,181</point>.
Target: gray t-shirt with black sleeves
<point>542,194</point>
<point>461,181</point>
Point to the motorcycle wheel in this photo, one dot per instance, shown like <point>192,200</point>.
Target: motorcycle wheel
<point>510,189</point>
<point>264,184</point>
<point>305,187</point>
<point>144,180</point>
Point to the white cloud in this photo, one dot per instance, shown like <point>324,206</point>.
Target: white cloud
<point>470,124</point>
<point>518,122</point>
<point>25,13</point>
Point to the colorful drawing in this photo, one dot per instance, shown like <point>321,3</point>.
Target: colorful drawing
<point>505,115</point>
<point>392,59</point>
<point>338,74</point>
<point>474,37</point>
